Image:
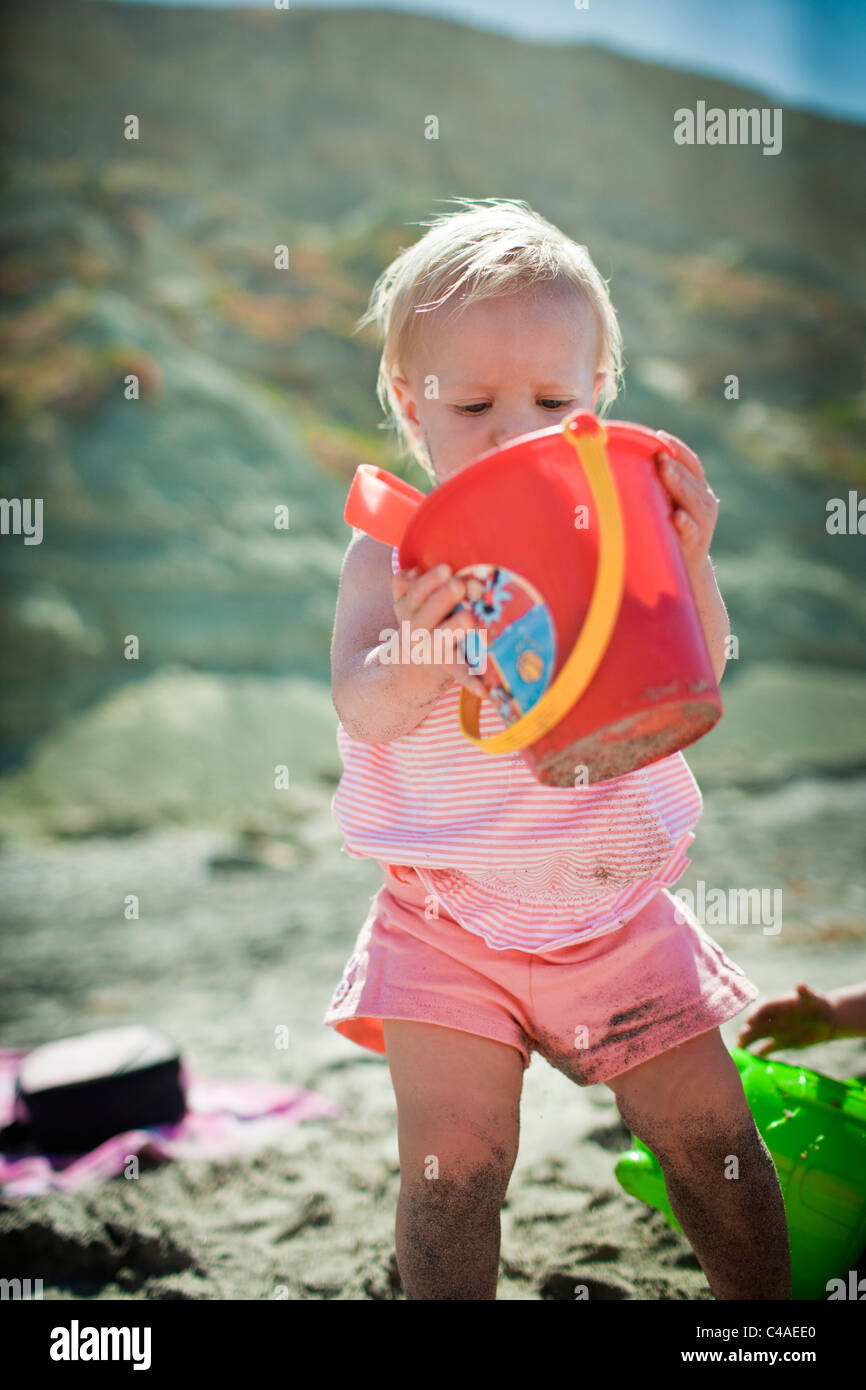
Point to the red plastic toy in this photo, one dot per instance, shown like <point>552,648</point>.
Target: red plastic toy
<point>596,659</point>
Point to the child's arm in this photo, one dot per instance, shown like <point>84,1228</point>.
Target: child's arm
<point>849,1006</point>
<point>696,510</point>
<point>379,700</point>
<point>713,615</point>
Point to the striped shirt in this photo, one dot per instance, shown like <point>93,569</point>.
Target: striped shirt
<point>524,865</point>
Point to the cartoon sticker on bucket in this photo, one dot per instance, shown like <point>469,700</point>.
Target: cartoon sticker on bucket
<point>521,642</point>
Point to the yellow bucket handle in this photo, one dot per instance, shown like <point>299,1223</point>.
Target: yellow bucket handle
<point>595,635</point>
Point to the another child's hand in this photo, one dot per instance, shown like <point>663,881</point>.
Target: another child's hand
<point>791,1020</point>
<point>425,599</point>
<point>697,506</point>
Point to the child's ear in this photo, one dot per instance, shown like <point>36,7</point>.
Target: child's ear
<point>406,401</point>
<point>597,385</point>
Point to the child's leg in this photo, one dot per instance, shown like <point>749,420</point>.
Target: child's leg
<point>688,1106</point>
<point>458,1108</point>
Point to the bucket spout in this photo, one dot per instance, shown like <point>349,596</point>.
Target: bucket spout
<point>381,504</point>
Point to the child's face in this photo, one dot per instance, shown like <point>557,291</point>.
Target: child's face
<point>502,367</point>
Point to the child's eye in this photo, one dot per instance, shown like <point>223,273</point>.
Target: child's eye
<point>478,407</point>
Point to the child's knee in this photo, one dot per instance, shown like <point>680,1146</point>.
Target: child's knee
<point>458,1148</point>
<point>715,1144</point>
<point>466,1182</point>
<point>474,1197</point>
<point>686,1100</point>
<point>691,1125</point>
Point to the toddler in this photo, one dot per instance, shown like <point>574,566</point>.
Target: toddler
<point>513,916</point>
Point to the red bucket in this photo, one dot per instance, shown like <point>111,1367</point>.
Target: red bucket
<point>596,660</point>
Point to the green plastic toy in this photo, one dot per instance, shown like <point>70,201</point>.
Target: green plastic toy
<point>815,1130</point>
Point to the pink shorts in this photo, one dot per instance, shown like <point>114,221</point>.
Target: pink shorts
<point>593,1009</point>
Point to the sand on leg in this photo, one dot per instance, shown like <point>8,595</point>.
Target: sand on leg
<point>688,1107</point>
<point>458,1111</point>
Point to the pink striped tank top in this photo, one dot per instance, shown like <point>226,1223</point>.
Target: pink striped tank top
<point>525,866</point>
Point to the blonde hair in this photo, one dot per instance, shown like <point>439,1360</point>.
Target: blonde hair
<point>491,246</point>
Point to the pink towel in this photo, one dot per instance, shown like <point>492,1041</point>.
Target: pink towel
<point>223,1118</point>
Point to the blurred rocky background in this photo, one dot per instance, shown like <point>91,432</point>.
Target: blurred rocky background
<point>156,257</point>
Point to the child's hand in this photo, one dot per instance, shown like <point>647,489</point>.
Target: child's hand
<point>697,507</point>
<point>792,1020</point>
<point>425,599</point>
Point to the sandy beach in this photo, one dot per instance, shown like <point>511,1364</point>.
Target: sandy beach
<point>230,945</point>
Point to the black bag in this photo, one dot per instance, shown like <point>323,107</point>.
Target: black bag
<point>73,1094</point>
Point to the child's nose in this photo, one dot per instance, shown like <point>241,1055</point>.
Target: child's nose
<point>512,427</point>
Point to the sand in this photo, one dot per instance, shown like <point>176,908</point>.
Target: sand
<point>231,944</point>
